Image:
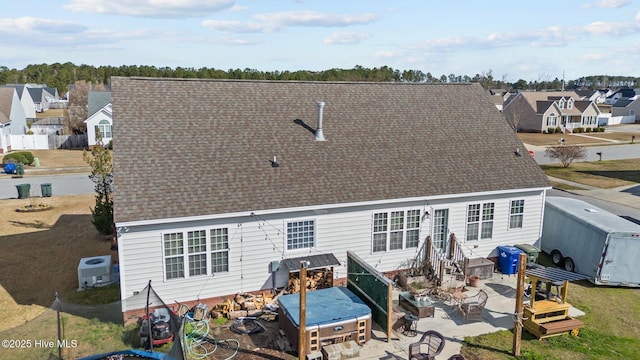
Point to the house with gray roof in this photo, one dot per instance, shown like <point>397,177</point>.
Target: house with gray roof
<point>217,183</point>
<point>28,105</point>
<point>539,111</point>
<point>99,117</point>
<point>625,111</point>
<point>12,117</point>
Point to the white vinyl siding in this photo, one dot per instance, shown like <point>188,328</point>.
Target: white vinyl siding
<point>248,244</point>
<point>516,214</point>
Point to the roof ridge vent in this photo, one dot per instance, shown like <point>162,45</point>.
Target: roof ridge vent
<point>319,134</point>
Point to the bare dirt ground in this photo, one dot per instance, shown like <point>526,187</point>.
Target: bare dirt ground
<point>40,251</point>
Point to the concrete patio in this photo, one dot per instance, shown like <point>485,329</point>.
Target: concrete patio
<point>498,315</point>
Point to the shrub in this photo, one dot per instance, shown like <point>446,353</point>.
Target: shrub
<point>588,130</point>
<point>24,157</point>
<point>558,130</point>
<point>578,130</point>
<point>600,129</point>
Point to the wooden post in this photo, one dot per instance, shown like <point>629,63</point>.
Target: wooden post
<point>302,328</point>
<point>517,324</point>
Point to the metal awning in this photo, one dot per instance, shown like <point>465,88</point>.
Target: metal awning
<point>552,274</point>
<point>313,261</point>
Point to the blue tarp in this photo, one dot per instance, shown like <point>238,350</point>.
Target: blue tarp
<point>325,306</point>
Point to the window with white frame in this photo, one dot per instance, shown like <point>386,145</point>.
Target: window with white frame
<point>197,249</point>
<point>480,221</point>
<point>561,103</point>
<point>219,250</point>
<point>174,255</point>
<point>301,234</point>
<point>396,230</point>
<point>516,214</point>
<point>413,228</point>
<point>380,232</point>
<point>552,120</point>
<point>570,104</point>
<point>104,127</point>
<point>196,256</point>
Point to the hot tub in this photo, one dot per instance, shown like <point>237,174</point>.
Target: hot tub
<point>333,315</point>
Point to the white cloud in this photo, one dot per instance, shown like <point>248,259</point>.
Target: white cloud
<point>239,26</point>
<point>270,22</point>
<point>344,38</point>
<point>151,8</point>
<point>33,26</point>
<point>316,19</point>
<point>607,4</point>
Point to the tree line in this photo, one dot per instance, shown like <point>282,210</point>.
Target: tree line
<point>60,76</point>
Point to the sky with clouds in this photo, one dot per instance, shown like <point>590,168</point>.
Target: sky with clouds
<point>530,40</point>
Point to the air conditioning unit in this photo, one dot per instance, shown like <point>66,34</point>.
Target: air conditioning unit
<point>94,272</point>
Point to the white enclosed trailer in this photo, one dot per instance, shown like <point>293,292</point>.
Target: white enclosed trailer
<point>591,241</point>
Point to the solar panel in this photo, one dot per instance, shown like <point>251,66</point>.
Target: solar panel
<point>552,274</point>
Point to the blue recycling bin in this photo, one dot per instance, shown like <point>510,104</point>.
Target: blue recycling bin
<point>508,257</point>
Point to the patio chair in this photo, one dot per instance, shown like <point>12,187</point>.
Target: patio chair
<point>456,357</point>
<point>430,344</point>
<point>471,307</point>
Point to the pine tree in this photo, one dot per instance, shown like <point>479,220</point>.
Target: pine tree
<point>102,175</point>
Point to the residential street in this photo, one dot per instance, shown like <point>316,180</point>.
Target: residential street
<point>72,184</point>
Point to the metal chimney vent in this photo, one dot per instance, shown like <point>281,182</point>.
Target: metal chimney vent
<point>319,134</point>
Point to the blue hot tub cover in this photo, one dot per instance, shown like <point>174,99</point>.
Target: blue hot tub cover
<point>325,306</point>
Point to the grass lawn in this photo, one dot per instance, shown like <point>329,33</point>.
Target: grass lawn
<point>602,174</point>
<point>611,329</point>
<point>594,138</point>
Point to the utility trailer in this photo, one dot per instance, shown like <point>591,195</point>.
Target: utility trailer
<point>591,241</point>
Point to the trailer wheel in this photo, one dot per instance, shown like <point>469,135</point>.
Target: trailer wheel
<point>556,258</point>
<point>569,265</point>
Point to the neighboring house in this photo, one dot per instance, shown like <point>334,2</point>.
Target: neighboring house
<point>539,111</point>
<point>597,96</point>
<point>99,117</point>
<point>28,105</point>
<point>219,184</point>
<point>628,111</point>
<point>41,98</point>
<point>11,112</point>
<point>620,94</point>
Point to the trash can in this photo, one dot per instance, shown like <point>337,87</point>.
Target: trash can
<point>19,169</point>
<point>23,191</point>
<point>36,162</point>
<point>508,259</point>
<point>10,168</point>
<point>45,189</point>
<point>531,251</point>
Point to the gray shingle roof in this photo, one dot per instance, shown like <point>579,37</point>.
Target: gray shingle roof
<point>201,147</point>
<point>96,100</point>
